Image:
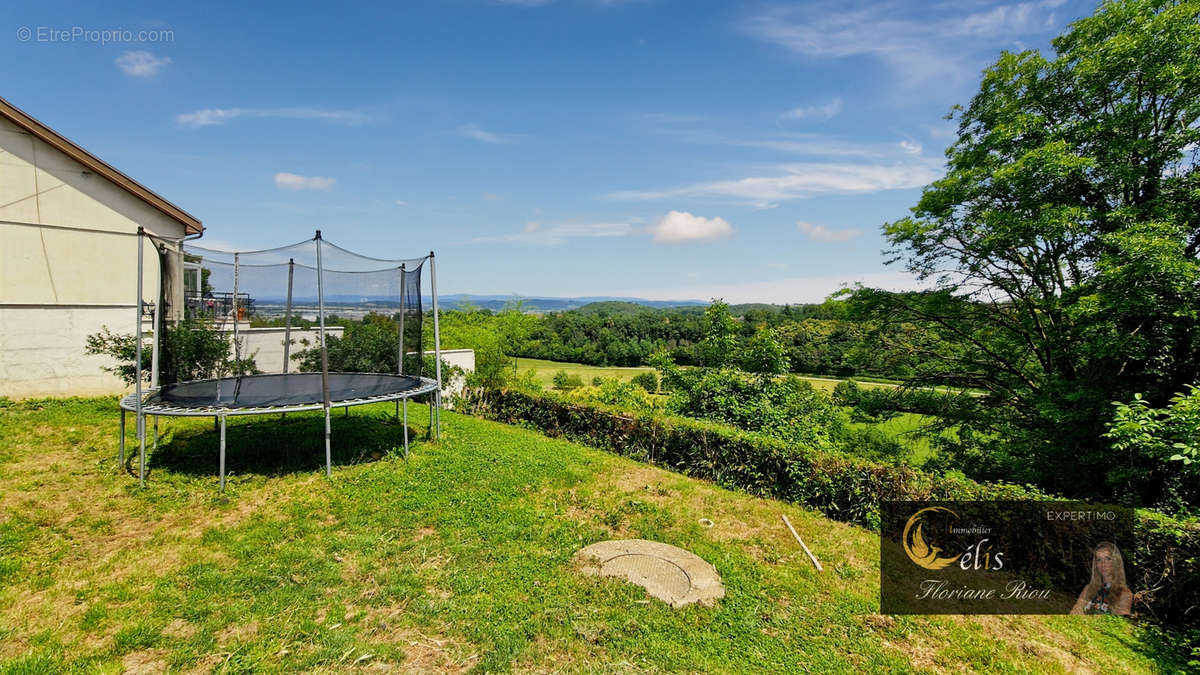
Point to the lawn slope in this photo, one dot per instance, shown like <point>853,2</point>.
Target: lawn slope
<point>457,558</point>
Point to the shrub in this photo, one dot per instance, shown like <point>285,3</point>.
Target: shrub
<point>192,349</point>
<point>566,382</point>
<point>788,408</point>
<point>647,381</point>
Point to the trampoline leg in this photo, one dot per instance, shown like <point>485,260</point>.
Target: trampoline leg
<point>347,409</point>
<point>405,426</point>
<point>397,410</point>
<point>121,446</point>
<point>156,432</point>
<point>222,425</point>
<point>328,457</point>
<point>216,425</point>
<point>141,429</point>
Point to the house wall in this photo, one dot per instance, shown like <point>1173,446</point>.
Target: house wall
<point>68,266</point>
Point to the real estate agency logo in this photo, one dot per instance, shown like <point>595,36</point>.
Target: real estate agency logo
<point>934,521</point>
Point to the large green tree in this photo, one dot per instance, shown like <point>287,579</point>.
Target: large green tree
<point>1061,246</point>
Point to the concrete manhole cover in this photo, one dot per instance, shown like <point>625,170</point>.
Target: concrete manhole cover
<point>669,573</point>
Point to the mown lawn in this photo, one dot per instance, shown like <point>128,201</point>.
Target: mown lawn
<point>456,558</point>
<point>544,371</point>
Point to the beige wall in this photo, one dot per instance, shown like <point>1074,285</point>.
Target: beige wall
<point>41,350</point>
<point>266,345</point>
<point>57,286</point>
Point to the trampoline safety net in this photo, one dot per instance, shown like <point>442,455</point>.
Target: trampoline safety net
<point>297,288</point>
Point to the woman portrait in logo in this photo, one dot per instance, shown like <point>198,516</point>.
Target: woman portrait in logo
<point>1106,593</point>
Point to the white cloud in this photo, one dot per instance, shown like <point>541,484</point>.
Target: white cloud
<point>824,112</point>
<point>483,136</point>
<point>141,64</point>
<point>214,116</point>
<point>825,233</point>
<point>917,48</point>
<point>800,181</point>
<point>911,147</point>
<point>680,226</point>
<point>401,202</point>
<point>796,143</point>
<point>780,291</point>
<point>535,233</point>
<point>291,181</point>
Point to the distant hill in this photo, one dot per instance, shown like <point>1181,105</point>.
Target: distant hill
<point>540,305</point>
<point>547,304</point>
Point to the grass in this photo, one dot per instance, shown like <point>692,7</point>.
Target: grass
<point>456,558</point>
<point>544,373</point>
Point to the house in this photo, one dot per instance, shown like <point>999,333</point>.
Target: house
<point>68,258</point>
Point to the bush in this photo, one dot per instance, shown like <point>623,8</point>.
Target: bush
<point>192,349</point>
<point>616,394</point>
<point>787,408</point>
<point>1166,559</point>
<point>567,382</point>
<point>647,381</point>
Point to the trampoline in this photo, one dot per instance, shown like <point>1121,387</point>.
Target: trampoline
<point>397,286</point>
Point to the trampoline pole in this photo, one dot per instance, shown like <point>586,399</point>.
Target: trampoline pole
<point>222,418</point>
<point>405,427</point>
<point>328,458</point>
<point>324,355</point>
<point>121,447</point>
<point>400,345</point>
<point>237,353</point>
<point>142,455</point>
<point>435,420</point>
<point>287,322</point>
<point>287,316</point>
<point>137,380</point>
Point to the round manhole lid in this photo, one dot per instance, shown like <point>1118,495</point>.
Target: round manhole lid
<point>669,573</point>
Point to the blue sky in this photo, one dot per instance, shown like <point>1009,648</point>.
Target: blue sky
<point>666,150</point>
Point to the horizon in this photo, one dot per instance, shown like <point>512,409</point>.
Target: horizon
<point>654,150</point>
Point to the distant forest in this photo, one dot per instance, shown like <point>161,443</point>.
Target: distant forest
<point>817,338</point>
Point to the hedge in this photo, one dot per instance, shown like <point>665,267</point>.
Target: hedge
<point>1165,565</point>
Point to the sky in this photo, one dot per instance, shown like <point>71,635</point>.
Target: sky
<point>658,149</point>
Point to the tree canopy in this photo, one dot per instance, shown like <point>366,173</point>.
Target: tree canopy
<point>1061,248</point>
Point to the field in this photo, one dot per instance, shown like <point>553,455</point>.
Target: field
<point>544,372</point>
<point>456,558</point>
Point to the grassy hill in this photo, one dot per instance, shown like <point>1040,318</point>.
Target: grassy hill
<point>454,559</point>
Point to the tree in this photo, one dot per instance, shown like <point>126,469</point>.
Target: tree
<point>1062,245</point>
<point>720,335</point>
<point>764,354</point>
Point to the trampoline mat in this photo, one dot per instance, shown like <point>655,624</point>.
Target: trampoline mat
<point>268,391</point>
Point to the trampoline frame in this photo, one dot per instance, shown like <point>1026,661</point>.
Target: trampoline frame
<point>136,402</point>
<point>130,403</point>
